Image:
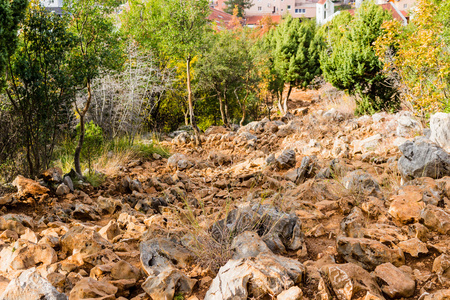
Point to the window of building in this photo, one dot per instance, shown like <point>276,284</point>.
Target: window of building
<point>325,6</point>
<point>259,8</point>
<point>288,7</point>
<point>282,10</point>
<point>300,10</point>
<point>405,5</point>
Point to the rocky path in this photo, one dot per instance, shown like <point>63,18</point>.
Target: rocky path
<point>316,205</point>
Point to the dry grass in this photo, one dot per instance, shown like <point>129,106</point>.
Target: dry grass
<point>333,98</point>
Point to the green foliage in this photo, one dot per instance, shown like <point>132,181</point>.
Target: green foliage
<point>240,4</point>
<point>11,14</point>
<point>350,62</point>
<point>39,86</point>
<point>93,140</point>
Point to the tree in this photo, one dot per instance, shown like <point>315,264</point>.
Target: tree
<point>350,63</point>
<point>97,48</point>
<point>296,54</point>
<point>11,14</point>
<point>174,29</point>
<point>417,58</point>
<point>241,5</point>
<point>38,84</point>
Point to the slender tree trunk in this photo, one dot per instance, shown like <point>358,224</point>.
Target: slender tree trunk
<point>82,131</point>
<point>285,108</point>
<point>280,98</point>
<point>191,105</point>
<point>222,111</point>
<point>241,123</point>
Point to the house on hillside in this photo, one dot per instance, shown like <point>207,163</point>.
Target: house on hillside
<point>53,5</point>
<point>324,11</point>
<point>221,19</point>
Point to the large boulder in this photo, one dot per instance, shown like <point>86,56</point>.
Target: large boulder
<point>394,282</point>
<point>31,286</point>
<point>369,253</point>
<point>440,130</point>
<point>89,288</point>
<point>279,230</point>
<point>347,280</point>
<point>436,218</point>
<point>254,273</point>
<point>286,160</point>
<point>423,159</point>
<point>28,187</point>
<point>407,126</point>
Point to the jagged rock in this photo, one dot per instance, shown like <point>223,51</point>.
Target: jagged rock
<point>27,187</point>
<point>263,274</point>
<point>395,283</point>
<point>31,286</point>
<point>353,223</point>
<point>308,169</point>
<point>110,231</point>
<point>24,254</point>
<point>161,252</point>
<point>413,247</point>
<point>441,266</point>
<point>182,138</point>
<point>422,159</point>
<point>248,244</point>
<point>286,160</point>
<point>159,259</point>
<point>368,144</point>
<point>440,130</point>
<point>179,161</point>
<point>368,253</point>
<point>361,182</point>
<point>406,207</point>
<point>80,239</point>
<point>163,285</point>
<point>85,212</point>
<point>436,219</point>
<point>16,222</point>
<point>68,181</point>
<point>53,175</point>
<point>280,230</point>
<point>89,288</point>
<point>346,280</point>
<point>108,205</point>
<point>220,159</point>
<point>407,126</point>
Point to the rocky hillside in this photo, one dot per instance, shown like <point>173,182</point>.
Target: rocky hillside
<point>315,205</point>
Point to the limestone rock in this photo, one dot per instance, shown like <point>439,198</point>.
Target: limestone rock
<point>436,219</point>
<point>406,207</point>
<point>308,169</point>
<point>369,253</point>
<point>395,283</point>
<point>286,160</point>
<point>441,266</point>
<point>440,130</point>
<point>407,126</point>
<point>258,276</point>
<point>28,187</point>
<point>62,190</point>
<point>89,288</point>
<point>361,182</point>
<point>80,239</point>
<point>422,159</point>
<point>438,295</point>
<point>31,286</point>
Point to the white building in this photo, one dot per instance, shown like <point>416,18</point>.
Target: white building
<point>53,5</point>
<point>324,11</point>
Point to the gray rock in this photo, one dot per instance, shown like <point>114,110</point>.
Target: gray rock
<point>436,219</point>
<point>422,159</point>
<point>369,253</point>
<point>407,126</point>
<point>308,169</point>
<point>68,181</point>
<point>62,190</point>
<point>361,182</point>
<point>31,286</point>
<point>179,161</point>
<point>440,130</point>
<point>280,230</point>
<point>286,160</point>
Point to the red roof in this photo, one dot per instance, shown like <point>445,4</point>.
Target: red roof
<point>322,1</point>
<point>254,20</point>
<point>220,16</point>
<point>390,7</point>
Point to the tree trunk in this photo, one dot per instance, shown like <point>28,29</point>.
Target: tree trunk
<point>191,105</point>
<point>285,108</point>
<point>222,111</point>
<point>279,99</point>
<point>82,131</point>
<point>241,123</point>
